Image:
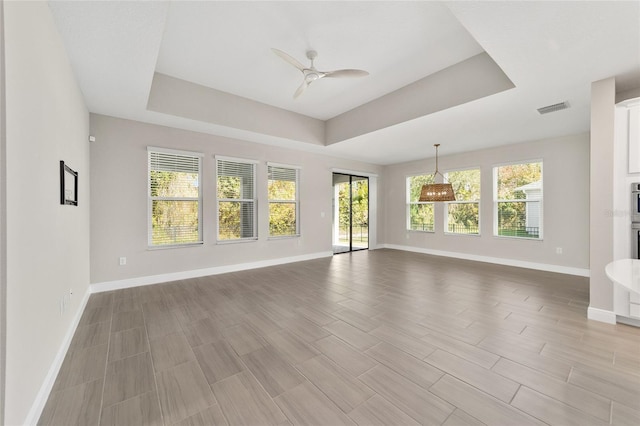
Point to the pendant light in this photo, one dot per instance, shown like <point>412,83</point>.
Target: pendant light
<point>437,191</point>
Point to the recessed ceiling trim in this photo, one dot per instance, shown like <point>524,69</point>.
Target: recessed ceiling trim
<point>466,81</point>
<point>180,98</point>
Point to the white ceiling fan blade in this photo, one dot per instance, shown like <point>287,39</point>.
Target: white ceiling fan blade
<point>301,89</point>
<point>288,58</point>
<point>346,73</point>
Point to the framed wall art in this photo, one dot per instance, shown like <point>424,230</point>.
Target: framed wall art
<point>68,185</point>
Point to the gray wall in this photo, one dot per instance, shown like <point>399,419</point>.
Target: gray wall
<point>119,203</point>
<point>47,243</point>
<point>566,204</point>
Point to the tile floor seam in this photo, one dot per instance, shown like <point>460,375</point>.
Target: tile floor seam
<point>195,358</point>
<point>248,371</point>
<point>106,366</point>
<point>153,369</point>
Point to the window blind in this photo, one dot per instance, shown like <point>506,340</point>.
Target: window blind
<point>237,213</point>
<point>174,198</point>
<point>282,183</point>
<point>164,161</point>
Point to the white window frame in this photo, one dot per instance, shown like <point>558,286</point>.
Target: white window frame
<point>446,204</point>
<point>150,199</point>
<point>496,201</point>
<point>296,201</point>
<point>253,200</point>
<point>409,203</point>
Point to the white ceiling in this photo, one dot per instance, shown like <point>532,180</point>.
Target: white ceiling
<point>551,51</point>
<point>227,47</point>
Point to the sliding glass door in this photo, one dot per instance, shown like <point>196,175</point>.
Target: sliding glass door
<point>350,213</point>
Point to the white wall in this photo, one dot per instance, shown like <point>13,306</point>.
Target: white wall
<point>119,202</point>
<point>3,221</point>
<point>601,208</point>
<point>565,208</point>
<point>47,243</point>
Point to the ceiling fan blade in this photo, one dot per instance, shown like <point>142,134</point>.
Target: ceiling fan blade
<point>301,89</point>
<point>346,73</point>
<point>288,58</point>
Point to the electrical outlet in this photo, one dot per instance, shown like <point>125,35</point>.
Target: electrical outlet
<point>558,250</point>
<point>123,261</point>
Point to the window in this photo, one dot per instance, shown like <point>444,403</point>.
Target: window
<point>463,215</point>
<point>419,214</point>
<point>236,199</point>
<point>518,200</point>
<point>283,200</point>
<point>175,197</point>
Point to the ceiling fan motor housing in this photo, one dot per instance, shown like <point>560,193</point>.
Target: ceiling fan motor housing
<point>311,76</point>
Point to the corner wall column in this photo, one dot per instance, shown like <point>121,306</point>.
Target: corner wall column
<point>603,95</point>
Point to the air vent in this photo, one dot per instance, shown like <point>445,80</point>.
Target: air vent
<point>554,107</point>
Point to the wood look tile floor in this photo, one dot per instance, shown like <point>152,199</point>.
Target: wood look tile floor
<point>369,338</point>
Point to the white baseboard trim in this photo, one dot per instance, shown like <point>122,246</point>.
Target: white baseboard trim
<point>45,390</point>
<point>628,321</point>
<point>601,315</point>
<point>183,275</point>
<point>497,260</point>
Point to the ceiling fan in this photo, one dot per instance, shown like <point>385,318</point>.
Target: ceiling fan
<point>311,74</point>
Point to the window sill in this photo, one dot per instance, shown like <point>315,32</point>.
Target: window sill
<point>462,234</point>
<point>174,246</point>
<point>508,237</point>
<point>420,231</point>
<point>243,240</point>
<point>283,237</point>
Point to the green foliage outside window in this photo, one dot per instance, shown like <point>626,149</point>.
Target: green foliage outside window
<point>229,187</point>
<point>359,198</point>
<point>236,203</point>
<point>512,213</point>
<point>229,212</point>
<point>420,213</point>
<point>463,215</point>
<point>282,219</point>
<point>282,207</point>
<point>174,219</point>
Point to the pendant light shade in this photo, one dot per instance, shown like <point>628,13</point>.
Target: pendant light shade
<point>437,191</point>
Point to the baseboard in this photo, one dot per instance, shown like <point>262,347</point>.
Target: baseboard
<point>497,260</point>
<point>601,315</point>
<point>628,321</point>
<point>183,275</point>
<point>47,385</point>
